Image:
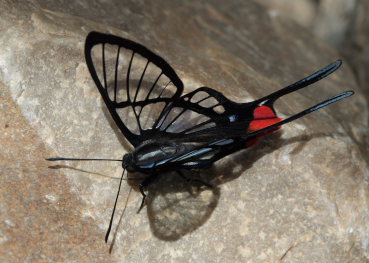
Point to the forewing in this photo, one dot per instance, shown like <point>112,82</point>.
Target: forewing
<point>135,84</point>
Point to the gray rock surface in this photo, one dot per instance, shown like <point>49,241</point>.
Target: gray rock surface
<point>302,12</point>
<point>300,195</point>
<point>356,45</point>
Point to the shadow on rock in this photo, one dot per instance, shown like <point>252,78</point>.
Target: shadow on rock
<point>176,207</point>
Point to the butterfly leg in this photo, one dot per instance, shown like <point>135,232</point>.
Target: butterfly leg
<point>145,183</point>
<point>189,180</point>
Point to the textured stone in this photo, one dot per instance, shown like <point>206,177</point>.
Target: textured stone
<point>333,20</point>
<point>301,195</point>
<point>301,11</point>
<point>330,20</point>
<point>356,44</point>
<point>40,218</point>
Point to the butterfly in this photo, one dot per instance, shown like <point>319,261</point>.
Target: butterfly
<point>171,131</point>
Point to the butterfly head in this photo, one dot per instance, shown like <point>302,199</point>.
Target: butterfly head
<point>127,162</point>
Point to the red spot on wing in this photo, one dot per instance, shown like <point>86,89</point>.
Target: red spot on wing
<point>260,124</point>
<point>263,112</point>
<point>263,117</point>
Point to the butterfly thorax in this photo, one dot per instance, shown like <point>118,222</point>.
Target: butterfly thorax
<point>153,154</point>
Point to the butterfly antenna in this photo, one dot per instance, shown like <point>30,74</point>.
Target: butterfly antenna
<point>79,159</point>
<point>115,205</point>
<point>302,113</point>
<point>120,220</point>
<point>269,99</point>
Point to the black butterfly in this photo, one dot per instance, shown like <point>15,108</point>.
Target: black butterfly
<point>171,131</point>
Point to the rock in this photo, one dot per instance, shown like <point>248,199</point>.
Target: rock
<point>330,20</point>
<point>356,51</point>
<point>355,47</point>
<point>299,195</point>
<point>301,11</point>
<point>41,218</point>
<point>333,20</point>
